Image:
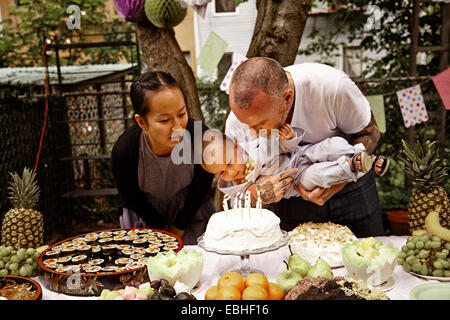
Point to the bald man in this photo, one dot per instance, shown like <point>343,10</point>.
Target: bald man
<point>325,103</point>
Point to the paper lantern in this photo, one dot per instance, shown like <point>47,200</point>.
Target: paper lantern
<point>164,13</point>
<point>131,10</point>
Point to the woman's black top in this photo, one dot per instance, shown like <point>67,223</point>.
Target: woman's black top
<point>125,155</point>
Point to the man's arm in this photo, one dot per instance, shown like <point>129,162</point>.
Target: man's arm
<point>369,136</point>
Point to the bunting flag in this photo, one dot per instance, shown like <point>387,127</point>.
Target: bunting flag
<point>442,83</point>
<point>211,53</point>
<point>237,60</point>
<point>412,106</point>
<point>377,105</point>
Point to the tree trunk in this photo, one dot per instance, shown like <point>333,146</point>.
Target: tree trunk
<point>278,29</point>
<point>162,52</point>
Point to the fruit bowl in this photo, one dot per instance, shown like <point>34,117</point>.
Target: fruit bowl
<point>86,264</point>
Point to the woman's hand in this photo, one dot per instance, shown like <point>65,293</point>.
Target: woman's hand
<point>178,232</point>
<point>319,195</point>
<point>272,188</point>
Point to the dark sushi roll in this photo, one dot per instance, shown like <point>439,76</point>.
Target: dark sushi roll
<point>70,250</point>
<point>137,256</point>
<point>129,239</point>
<point>50,261</point>
<point>91,236</point>
<point>54,253</point>
<point>127,252</point>
<point>152,251</point>
<point>140,242</point>
<point>79,241</point>
<point>65,269</point>
<point>122,262</point>
<point>64,260</point>
<point>97,262</point>
<point>133,232</point>
<point>84,266</point>
<point>135,265</point>
<point>77,269</point>
<point>109,250</point>
<point>58,247</point>
<point>96,252</point>
<point>53,266</point>
<point>80,259</point>
<point>140,250</point>
<point>105,234</point>
<point>168,238</point>
<point>93,269</point>
<point>84,249</point>
<point>120,247</point>
<point>172,244</point>
<point>118,240</point>
<point>104,241</point>
<point>109,269</point>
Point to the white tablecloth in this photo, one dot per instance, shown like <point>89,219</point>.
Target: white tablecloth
<point>272,265</point>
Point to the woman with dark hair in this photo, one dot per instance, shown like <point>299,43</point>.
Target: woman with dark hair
<point>154,191</point>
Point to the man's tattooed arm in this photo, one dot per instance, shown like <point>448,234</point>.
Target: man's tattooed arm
<point>369,136</point>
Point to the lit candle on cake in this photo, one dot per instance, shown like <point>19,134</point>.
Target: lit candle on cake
<point>225,202</point>
<point>236,201</point>
<point>248,204</point>
<point>259,203</point>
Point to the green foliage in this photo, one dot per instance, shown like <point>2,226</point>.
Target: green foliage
<point>214,103</point>
<point>22,44</point>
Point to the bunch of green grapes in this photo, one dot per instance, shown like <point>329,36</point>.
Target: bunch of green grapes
<point>427,255</point>
<point>21,262</point>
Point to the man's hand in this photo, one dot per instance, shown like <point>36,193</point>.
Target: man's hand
<point>319,195</point>
<point>272,188</point>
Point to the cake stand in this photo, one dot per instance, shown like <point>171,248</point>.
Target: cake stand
<point>245,268</point>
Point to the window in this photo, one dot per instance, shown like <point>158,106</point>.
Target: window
<point>224,7</point>
<point>352,63</point>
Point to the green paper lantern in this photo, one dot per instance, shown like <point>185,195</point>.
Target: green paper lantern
<point>164,13</point>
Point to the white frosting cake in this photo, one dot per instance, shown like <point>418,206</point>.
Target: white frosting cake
<point>242,229</point>
<point>325,240</point>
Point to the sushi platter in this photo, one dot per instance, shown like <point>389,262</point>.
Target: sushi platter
<point>84,265</point>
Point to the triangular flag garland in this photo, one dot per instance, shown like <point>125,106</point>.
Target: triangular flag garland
<point>237,60</point>
<point>412,106</point>
<point>377,105</point>
<point>211,53</point>
<point>442,83</point>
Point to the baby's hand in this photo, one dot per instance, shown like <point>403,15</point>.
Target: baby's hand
<point>286,132</point>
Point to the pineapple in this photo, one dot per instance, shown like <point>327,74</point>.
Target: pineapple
<point>426,171</point>
<point>23,226</point>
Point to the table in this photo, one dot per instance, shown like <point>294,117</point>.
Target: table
<point>214,265</point>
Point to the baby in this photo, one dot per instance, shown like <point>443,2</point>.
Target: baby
<point>324,164</point>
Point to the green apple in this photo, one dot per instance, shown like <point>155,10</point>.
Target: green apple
<point>320,269</point>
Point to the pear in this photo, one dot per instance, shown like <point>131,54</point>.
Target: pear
<point>288,279</point>
<point>298,264</point>
<point>320,269</point>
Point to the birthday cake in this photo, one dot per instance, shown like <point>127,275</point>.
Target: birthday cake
<point>242,229</point>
